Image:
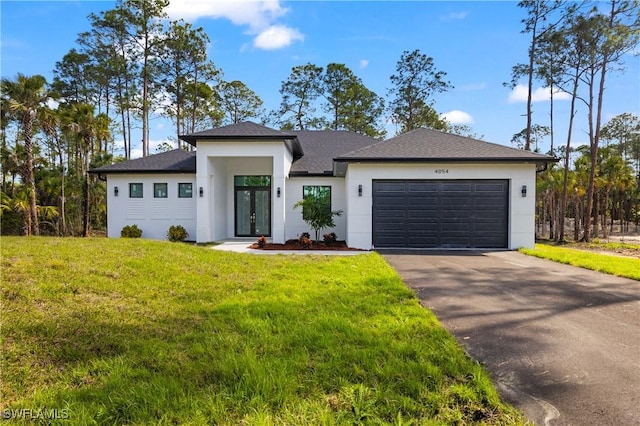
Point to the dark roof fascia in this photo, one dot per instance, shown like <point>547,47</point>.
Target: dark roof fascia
<point>190,139</point>
<point>446,160</point>
<point>141,172</point>
<point>327,173</point>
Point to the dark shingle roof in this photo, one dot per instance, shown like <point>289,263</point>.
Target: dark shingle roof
<point>244,130</point>
<point>322,146</point>
<point>176,161</point>
<point>433,145</point>
<point>247,131</point>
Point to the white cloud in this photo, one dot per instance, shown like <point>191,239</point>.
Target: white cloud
<point>519,94</point>
<point>364,63</point>
<point>457,117</point>
<point>52,103</point>
<point>257,14</point>
<point>276,37</point>
<point>260,16</point>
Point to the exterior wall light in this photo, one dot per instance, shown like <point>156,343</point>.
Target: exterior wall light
<point>278,192</point>
<point>524,190</point>
<point>359,190</point>
<point>201,192</point>
<point>115,191</point>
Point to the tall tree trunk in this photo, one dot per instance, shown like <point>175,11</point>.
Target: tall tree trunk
<point>63,207</point>
<point>34,227</point>
<point>565,179</point>
<point>86,197</point>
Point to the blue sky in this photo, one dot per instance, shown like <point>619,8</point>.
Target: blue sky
<point>258,42</point>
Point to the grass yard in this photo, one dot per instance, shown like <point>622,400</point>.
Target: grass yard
<point>118,331</point>
<point>586,256</point>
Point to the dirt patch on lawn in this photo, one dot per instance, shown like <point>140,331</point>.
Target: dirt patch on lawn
<point>615,251</point>
<point>295,245</point>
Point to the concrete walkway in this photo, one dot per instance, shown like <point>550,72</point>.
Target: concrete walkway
<point>244,247</point>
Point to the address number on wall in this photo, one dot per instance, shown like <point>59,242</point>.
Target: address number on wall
<point>442,171</point>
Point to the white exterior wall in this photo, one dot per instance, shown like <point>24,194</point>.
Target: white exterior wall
<point>521,209</point>
<point>295,225</point>
<point>217,163</point>
<point>153,216</point>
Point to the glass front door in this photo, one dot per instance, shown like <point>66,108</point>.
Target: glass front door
<point>253,206</point>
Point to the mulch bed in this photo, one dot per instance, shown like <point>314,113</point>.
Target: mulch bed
<point>295,245</point>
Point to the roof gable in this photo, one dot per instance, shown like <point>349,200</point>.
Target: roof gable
<point>434,145</point>
<point>244,130</point>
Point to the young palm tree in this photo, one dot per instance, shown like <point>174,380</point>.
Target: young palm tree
<point>89,129</point>
<point>25,96</point>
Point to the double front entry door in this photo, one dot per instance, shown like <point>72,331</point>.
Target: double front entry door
<point>252,206</point>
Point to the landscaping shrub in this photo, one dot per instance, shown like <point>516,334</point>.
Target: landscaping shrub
<point>330,238</point>
<point>305,240</point>
<point>303,236</point>
<point>131,231</point>
<point>177,233</point>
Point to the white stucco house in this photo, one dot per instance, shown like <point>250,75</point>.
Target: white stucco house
<point>421,189</point>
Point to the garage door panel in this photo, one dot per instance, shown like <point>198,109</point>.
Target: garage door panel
<point>457,202</point>
<point>422,187</point>
<point>393,187</point>
<point>420,213</point>
<point>488,202</point>
<point>456,187</point>
<point>393,201</point>
<point>489,187</point>
<point>391,213</point>
<point>426,228</point>
<point>431,202</point>
<point>391,226</point>
<point>427,241</point>
<point>446,214</point>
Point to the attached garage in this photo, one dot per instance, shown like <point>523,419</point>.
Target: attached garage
<point>440,213</point>
<point>427,189</point>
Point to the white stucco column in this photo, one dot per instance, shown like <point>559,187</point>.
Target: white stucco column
<point>278,213</point>
<point>204,202</point>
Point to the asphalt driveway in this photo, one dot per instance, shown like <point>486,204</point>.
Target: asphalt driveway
<point>562,343</point>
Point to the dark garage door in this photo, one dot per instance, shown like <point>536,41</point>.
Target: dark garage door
<point>440,214</point>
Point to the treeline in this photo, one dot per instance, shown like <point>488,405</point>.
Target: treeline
<point>574,48</point>
<point>135,64</point>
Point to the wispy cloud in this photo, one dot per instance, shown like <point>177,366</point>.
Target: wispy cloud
<point>364,63</point>
<point>541,94</point>
<point>8,43</point>
<point>259,16</point>
<point>454,16</point>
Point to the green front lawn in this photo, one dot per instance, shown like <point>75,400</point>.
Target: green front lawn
<point>628,267</point>
<point>117,331</point>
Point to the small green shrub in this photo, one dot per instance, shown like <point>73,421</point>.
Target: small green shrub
<point>177,233</point>
<point>131,231</point>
